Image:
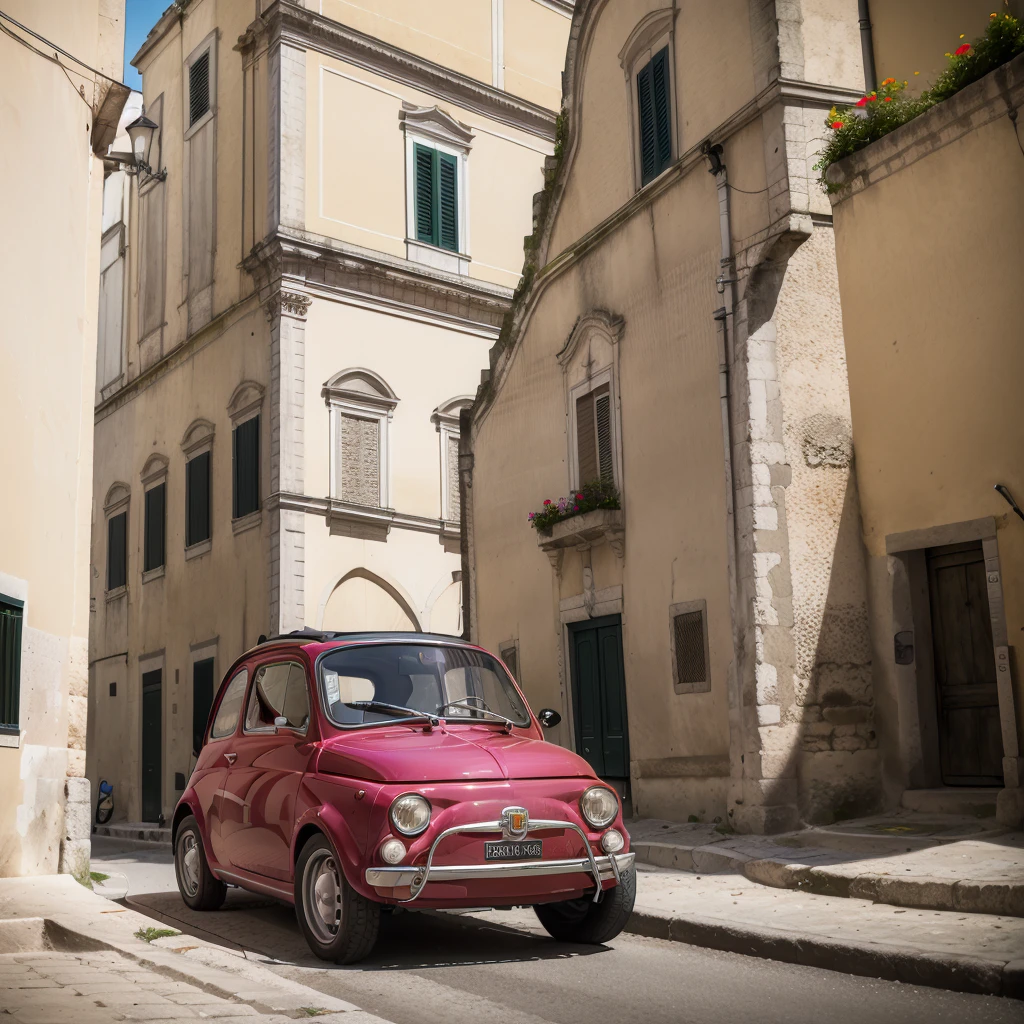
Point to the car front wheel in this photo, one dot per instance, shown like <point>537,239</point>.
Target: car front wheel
<point>584,921</point>
<point>199,887</point>
<point>339,924</point>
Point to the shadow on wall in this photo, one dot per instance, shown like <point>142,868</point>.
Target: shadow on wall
<point>837,762</point>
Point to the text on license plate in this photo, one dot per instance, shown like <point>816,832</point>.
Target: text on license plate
<point>514,851</point>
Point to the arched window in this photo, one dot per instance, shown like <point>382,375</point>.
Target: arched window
<point>648,64</point>
<point>361,405</point>
<point>590,370</point>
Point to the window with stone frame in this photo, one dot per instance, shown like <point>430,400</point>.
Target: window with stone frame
<point>361,405</point>
<point>446,419</point>
<point>688,645</point>
<point>647,59</point>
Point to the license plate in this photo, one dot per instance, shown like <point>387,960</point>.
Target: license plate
<point>514,851</point>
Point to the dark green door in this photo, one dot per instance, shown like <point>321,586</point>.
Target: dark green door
<point>152,713</point>
<point>599,696</point>
<point>202,700</point>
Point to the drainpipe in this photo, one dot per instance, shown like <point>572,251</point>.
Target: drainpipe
<point>867,46</point>
<point>725,317</point>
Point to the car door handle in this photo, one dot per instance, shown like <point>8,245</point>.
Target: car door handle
<point>230,758</point>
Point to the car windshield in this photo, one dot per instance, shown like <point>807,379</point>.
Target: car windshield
<point>449,682</point>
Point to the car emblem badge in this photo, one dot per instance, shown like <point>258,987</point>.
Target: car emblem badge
<point>515,823</point>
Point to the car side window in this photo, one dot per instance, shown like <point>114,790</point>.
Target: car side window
<point>278,691</point>
<point>230,707</point>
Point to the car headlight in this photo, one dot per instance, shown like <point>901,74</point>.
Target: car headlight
<point>599,806</point>
<point>410,814</point>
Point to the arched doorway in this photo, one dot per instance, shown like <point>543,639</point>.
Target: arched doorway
<point>362,601</point>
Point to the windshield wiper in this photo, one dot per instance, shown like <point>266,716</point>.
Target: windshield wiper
<point>483,709</point>
<point>394,709</point>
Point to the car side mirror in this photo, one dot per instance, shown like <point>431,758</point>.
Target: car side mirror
<point>280,722</point>
<point>548,717</point>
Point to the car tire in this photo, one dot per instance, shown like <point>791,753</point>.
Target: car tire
<point>199,887</point>
<point>339,924</point>
<point>592,923</point>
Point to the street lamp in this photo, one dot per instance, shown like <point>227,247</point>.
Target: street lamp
<point>142,132</point>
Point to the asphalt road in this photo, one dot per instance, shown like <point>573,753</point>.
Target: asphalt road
<point>501,967</point>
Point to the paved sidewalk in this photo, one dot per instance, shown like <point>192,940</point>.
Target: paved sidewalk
<point>69,955</point>
<point>904,859</point>
<point>963,952</point>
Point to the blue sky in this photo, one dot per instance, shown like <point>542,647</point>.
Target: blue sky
<point>140,17</point>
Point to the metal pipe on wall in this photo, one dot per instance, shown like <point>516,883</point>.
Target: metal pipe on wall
<point>867,45</point>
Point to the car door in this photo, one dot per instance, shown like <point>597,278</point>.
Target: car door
<point>213,759</point>
<point>262,784</point>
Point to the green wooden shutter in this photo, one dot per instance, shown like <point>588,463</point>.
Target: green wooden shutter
<point>117,551</point>
<point>448,201</point>
<point>648,134</point>
<point>197,499</point>
<point>662,108</point>
<point>426,218</point>
<point>655,109</point>
<point>10,664</point>
<point>246,465</point>
<point>153,541</point>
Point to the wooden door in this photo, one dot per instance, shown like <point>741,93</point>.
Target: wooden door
<point>152,752</point>
<point>970,741</point>
<point>599,696</point>
<point>202,700</point>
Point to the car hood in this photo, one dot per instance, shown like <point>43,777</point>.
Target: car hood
<point>465,753</point>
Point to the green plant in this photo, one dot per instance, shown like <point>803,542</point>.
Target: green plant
<point>98,876</point>
<point>313,1011</point>
<point>591,496</point>
<point>889,107</point>
<point>152,934</point>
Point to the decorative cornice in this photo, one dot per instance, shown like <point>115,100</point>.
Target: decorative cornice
<point>281,303</point>
<point>318,261</point>
<point>286,22</point>
<point>434,123</point>
<point>367,514</point>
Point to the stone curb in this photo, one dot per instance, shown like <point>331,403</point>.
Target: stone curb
<point>935,970</point>
<point>963,895</point>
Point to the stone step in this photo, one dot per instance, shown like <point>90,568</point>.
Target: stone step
<point>135,832</point>
<point>978,802</point>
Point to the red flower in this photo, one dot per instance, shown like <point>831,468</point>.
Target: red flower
<point>888,99</point>
<point>579,497</point>
<point>575,508</point>
<point>547,501</point>
<point>961,50</point>
<point>862,102</point>
<point>836,125</point>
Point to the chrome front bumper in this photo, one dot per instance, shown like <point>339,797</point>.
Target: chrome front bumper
<point>416,877</point>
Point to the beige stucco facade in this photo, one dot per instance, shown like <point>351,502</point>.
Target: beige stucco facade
<point>288,280</point>
<point>706,307</point>
<point>732,447</point>
<point>47,359</point>
<point>932,327</point>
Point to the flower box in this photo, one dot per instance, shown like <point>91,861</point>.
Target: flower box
<point>602,525</point>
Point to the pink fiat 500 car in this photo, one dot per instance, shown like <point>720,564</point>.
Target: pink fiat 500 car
<point>350,774</point>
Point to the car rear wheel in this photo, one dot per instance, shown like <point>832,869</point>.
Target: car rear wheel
<point>583,920</point>
<point>199,887</point>
<point>339,924</point>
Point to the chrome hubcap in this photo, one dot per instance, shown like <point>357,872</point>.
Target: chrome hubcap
<point>322,892</point>
<point>188,859</point>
